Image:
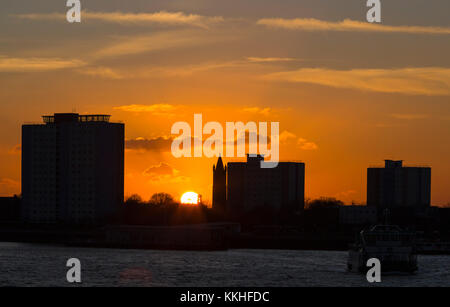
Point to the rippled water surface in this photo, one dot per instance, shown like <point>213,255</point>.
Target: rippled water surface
<point>45,265</point>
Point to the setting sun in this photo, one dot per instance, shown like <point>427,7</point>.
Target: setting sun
<point>190,198</point>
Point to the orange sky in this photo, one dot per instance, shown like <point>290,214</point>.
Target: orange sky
<point>347,94</point>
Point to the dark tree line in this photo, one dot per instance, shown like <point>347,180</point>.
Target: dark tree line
<point>161,210</point>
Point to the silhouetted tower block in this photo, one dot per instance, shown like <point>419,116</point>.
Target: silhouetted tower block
<point>72,169</point>
<point>219,186</point>
<point>397,186</point>
<point>251,188</point>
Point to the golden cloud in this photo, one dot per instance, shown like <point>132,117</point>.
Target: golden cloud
<point>413,81</point>
<point>409,116</point>
<point>307,145</point>
<point>269,59</point>
<point>347,25</point>
<point>257,110</point>
<point>153,42</point>
<point>159,144</point>
<point>9,186</point>
<point>103,72</point>
<point>304,144</point>
<point>163,172</point>
<point>157,109</point>
<point>286,136</point>
<point>8,64</point>
<point>162,18</point>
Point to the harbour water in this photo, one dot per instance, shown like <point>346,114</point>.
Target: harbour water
<point>45,265</point>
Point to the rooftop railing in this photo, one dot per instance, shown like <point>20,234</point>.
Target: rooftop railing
<point>74,117</point>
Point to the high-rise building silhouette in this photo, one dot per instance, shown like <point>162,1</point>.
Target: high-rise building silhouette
<point>219,186</point>
<point>72,169</point>
<point>396,186</point>
<point>250,187</point>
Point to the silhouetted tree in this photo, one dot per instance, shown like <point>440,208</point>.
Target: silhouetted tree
<point>322,214</point>
<point>133,200</point>
<point>162,209</point>
<point>161,199</point>
<point>323,203</point>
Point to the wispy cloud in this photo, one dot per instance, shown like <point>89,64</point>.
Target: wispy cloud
<point>102,72</point>
<point>153,42</point>
<point>257,110</point>
<point>409,116</point>
<point>164,173</point>
<point>155,109</point>
<point>345,194</point>
<point>17,149</point>
<point>348,25</point>
<point>11,64</point>
<point>192,69</point>
<point>269,59</point>
<point>413,81</point>
<point>188,70</point>
<point>160,169</point>
<point>8,187</point>
<point>159,144</point>
<point>169,71</point>
<point>161,18</point>
<point>286,136</point>
<point>388,125</point>
<point>306,145</point>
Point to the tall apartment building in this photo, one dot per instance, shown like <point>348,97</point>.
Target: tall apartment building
<point>396,186</point>
<point>251,187</point>
<point>72,169</point>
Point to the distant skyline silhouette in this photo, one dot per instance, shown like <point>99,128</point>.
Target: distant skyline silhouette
<point>347,96</point>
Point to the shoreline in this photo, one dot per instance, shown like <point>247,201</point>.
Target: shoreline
<point>180,238</point>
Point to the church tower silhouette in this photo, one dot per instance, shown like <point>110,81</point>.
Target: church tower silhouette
<point>219,186</point>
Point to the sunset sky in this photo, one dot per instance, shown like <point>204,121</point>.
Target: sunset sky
<point>347,94</point>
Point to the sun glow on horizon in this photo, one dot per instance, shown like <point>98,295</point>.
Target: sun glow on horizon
<point>190,198</point>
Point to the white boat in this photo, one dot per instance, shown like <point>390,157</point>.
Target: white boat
<point>394,247</point>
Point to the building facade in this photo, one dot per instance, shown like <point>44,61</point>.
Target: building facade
<point>396,186</point>
<point>251,187</point>
<point>72,169</point>
<point>10,208</point>
<point>357,215</point>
